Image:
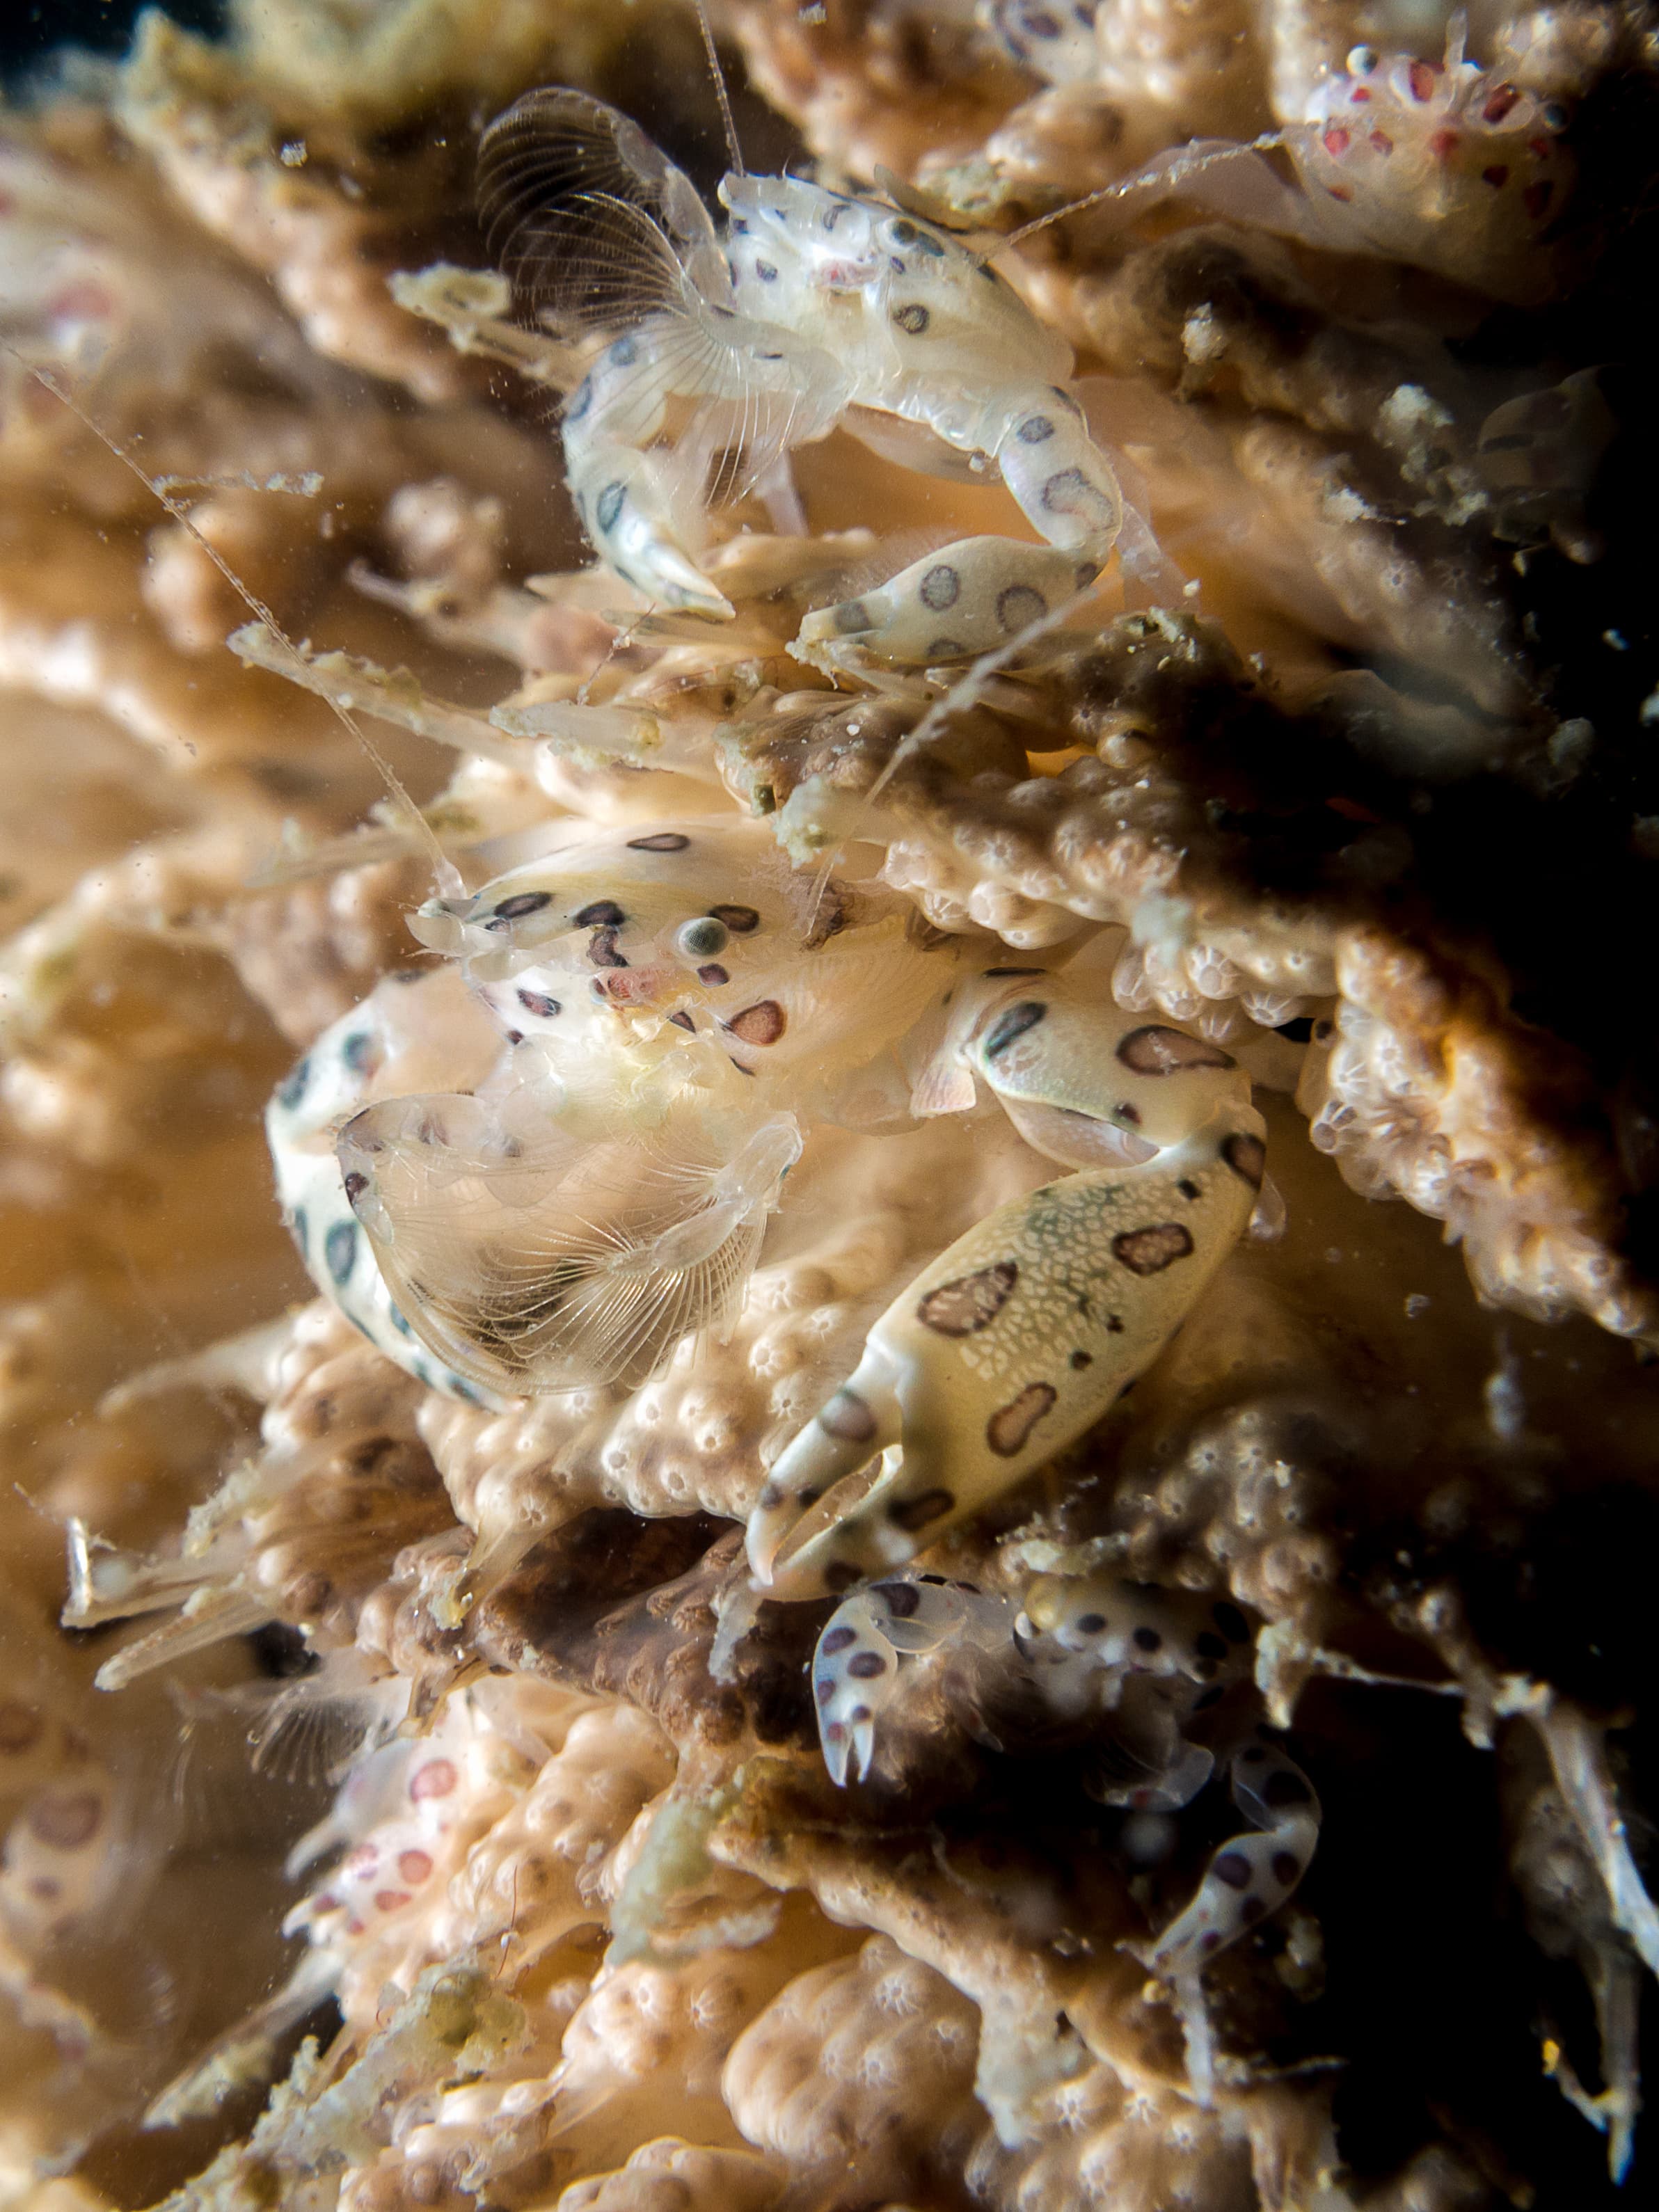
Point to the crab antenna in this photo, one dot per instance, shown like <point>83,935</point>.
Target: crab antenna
<point>733,151</point>
<point>443,867</point>
<point>1176,173</point>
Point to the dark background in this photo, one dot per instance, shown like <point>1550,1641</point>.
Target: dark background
<point>30,31</point>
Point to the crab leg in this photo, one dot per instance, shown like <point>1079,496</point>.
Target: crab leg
<point>1025,1331</point>
<point>978,592</point>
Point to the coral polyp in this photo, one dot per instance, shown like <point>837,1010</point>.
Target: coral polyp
<point>828,1139</point>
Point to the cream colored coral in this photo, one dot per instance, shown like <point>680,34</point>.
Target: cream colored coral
<point>670,2176</point>
<point>864,2066</point>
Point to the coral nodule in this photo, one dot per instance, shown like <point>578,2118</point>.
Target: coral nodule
<point>830,1170</point>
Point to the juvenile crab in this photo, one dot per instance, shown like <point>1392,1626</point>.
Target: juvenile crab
<point>709,359</point>
<point>1114,1663</point>
<point>1443,164</point>
<point>641,1024</point>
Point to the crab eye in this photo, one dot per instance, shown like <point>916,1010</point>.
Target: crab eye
<point>1362,61</point>
<point>702,939</point>
<point>1555,116</point>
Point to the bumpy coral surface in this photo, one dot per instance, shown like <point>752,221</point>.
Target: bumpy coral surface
<point>411,1797</point>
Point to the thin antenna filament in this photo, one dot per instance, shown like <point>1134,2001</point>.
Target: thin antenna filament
<point>734,152</point>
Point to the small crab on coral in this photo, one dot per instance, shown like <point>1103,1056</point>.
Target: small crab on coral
<point>643,1023</point>
<point>694,355</point>
<point>1086,1652</point>
<point>1442,164</point>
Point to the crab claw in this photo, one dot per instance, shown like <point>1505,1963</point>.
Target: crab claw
<point>848,1430</point>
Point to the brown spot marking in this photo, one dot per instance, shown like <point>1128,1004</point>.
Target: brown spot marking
<point>713,975</point>
<point>1155,1050</point>
<point>1246,1156</point>
<point>1147,1639</point>
<point>1009,1428</point>
<point>1252,1910</point>
<point>683,1021</point>
<point>602,950</point>
<point>760,1024</point>
<point>1287,1867</point>
<point>1149,1251</point>
<point>837,1639</point>
<point>1210,1943</point>
<point>1082,1359</point>
<point>825,1691</point>
<point>913,1513</point>
<point>1090,1624</point>
<point>1232,1867</point>
<point>901,1599</point>
<point>867,1666</point>
<point>666,841</point>
<point>598,914</point>
<point>67,1818</point>
<point>741,920</point>
<point>847,1416</point>
<point>436,1779</point>
<point>20,1727</point>
<point>971,1303</point>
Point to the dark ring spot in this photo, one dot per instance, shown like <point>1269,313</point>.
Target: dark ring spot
<point>1090,1624</point>
<point>867,1666</point>
<point>340,1249</point>
<point>625,352</point>
<point>1034,429</point>
<point>941,588</point>
<point>521,903</point>
<point>538,1002</point>
<point>1149,1251</point>
<point>851,616</point>
<point>1147,1639</point>
<point>1010,1427</point>
<point>1157,1049</point>
<point>849,1417</point>
<point>1232,1867</point>
<point>761,1024</point>
<point>1246,1156</point>
<point>292,1089</point>
<point>971,1303</point>
<point>1011,1026</point>
<point>1018,606</point>
<point>664,840</point>
<point>609,505</point>
<point>1287,1867</point>
<point>913,318</point>
<point>837,1639</point>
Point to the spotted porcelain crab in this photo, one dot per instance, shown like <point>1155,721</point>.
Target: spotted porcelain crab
<point>1118,1664</point>
<point>631,1033</point>
<point>1441,163</point>
<point>705,359</point>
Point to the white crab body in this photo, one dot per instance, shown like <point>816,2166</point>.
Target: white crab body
<point>817,308</point>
